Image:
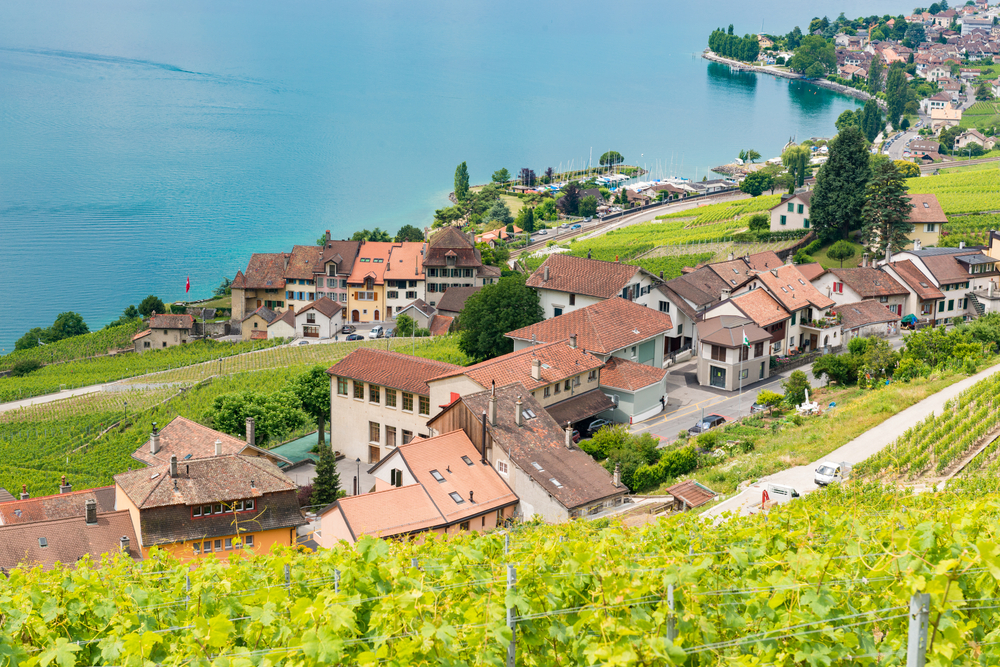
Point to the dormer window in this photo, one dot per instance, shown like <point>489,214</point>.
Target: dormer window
<point>331,269</point>
<point>450,261</point>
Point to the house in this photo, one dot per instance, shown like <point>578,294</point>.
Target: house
<point>452,303</point>
<point>923,295</point>
<point>760,308</point>
<point>440,484</point>
<point>499,235</point>
<point>427,317</point>
<point>405,280</point>
<point>861,284</point>
<point>212,505</point>
<point>551,477</point>
<point>452,260</point>
<point>935,102</point>
<point>953,270</point>
<point>188,440</point>
<point>562,377</point>
<point>974,136</point>
<point>366,284</point>
<point>970,23</point>
<point>380,399</point>
<point>318,319</point>
<point>164,331</point>
<point>927,218</point>
<point>866,318</point>
<point>808,327</point>
<point>263,284</point>
<point>566,283</point>
<point>764,41</point>
<point>612,328</point>
<point>792,212</point>
<point>690,494</point>
<point>283,326</point>
<point>732,351</point>
<point>639,391</point>
<point>933,73</point>
<point>67,539</point>
<point>67,503</point>
<point>945,118</point>
<point>333,268</point>
<point>995,87</point>
<point>256,323</point>
<point>921,147</point>
<point>302,270</point>
<point>945,18</point>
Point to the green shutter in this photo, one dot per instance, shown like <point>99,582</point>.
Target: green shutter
<point>793,319</point>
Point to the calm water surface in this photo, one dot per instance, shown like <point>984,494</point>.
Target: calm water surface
<point>143,142</point>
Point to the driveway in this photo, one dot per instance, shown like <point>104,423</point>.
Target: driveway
<point>855,451</point>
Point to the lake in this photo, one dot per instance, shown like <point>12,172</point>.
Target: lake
<point>144,142</point>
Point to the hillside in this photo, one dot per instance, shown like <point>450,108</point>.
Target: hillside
<point>825,580</point>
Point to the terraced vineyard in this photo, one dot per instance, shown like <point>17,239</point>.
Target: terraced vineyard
<point>88,345</point>
<point>706,215</point>
<point>972,229</point>
<point>973,191</point>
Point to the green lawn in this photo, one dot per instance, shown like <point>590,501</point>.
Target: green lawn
<point>828,263</point>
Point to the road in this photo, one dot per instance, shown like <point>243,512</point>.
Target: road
<point>855,451</point>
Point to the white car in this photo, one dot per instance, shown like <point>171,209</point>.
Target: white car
<point>831,472</point>
<point>376,332</point>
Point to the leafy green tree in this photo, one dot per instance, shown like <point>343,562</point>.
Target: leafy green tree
<point>501,176</point>
<point>409,233</point>
<point>814,49</point>
<point>839,195</point>
<point>32,338</point>
<point>794,38</point>
<point>226,286</point>
<point>326,483</point>
<point>571,198</point>
<point>445,216</point>
<point>375,235</point>
<point>906,169</point>
<point>815,71</point>
<point>275,415</point>
<point>130,314</point>
<point>759,223</point>
<point>840,251</point>
<point>609,159</point>
<point>875,76</point>
<point>547,210</point>
<point>871,120</point>
<point>497,256</point>
<point>151,304</point>
<point>914,36</point>
<point>835,367</point>
<point>983,92</point>
<point>495,310</point>
<point>321,241</point>
<point>406,326</point>
<point>526,219</point>
<point>461,182</point>
<point>796,160</point>
<point>588,206</point>
<point>769,399</point>
<point>756,182</point>
<point>752,156</point>
<point>312,388</point>
<point>498,215</point>
<point>795,388</point>
<point>885,215</point>
<point>847,118</point>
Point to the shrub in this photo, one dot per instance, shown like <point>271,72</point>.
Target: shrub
<point>769,399</point>
<point>802,258</point>
<point>673,463</point>
<point>858,346</point>
<point>795,388</point>
<point>25,366</point>
<point>910,368</point>
<point>813,247</point>
<point>798,420</point>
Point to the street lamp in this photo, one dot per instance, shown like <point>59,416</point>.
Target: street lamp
<point>357,478</point>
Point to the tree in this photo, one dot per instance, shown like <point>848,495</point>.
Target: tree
<point>151,304</point>
<point>571,198</point>
<point>128,315</point>
<point>275,415</point>
<point>871,120</point>
<point>67,325</point>
<point>914,36</point>
<point>375,235</point>
<point>609,159</point>
<point>752,156</point>
<point>815,71</point>
<point>225,287</point>
<point>839,194</point>
<point>759,223</point>
<point>409,233</point>
<point>835,367</point>
<point>795,388</point>
<point>326,483</point>
<point>461,182</point>
<point>886,211</point>
<point>495,310</point>
<point>498,215</point>
<point>983,92</point>
<point>32,338</point>
<point>527,177</point>
<point>549,174</point>
<point>769,399</point>
<point>796,160</point>
<point>491,256</point>
<point>840,251</point>
<point>906,169</point>
<point>814,49</point>
<point>897,94</point>
<point>794,38</point>
<point>445,216</point>
<point>588,206</point>
<point>547,210</point>
<point>847,118</point>
<point>406,325</point>
<point>756,182</point>
<point>501,176</point>
<point>312,388</point>
<point>526,219</point>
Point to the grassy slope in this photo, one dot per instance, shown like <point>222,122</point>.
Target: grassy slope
<point>828,263</point>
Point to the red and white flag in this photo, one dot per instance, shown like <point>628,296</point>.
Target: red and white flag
<point>187,288</point>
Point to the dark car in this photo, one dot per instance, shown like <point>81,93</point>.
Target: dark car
<point>576,436</point>
<point>348,329</point>
<point>706,424</point>
<point>597,425</point>
<point>355,337</point>
<point>390,333</point>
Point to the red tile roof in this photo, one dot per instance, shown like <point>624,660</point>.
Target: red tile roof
<point>811,271</point>
<point>441,324</point>
<point>265,314</point>
<point>926,208</point>
<point>303,262</point>
<point>451,242</point>
<point>142,334</point>
<point>258,335</point>
<point>579,275</point>
<point>186,439</point>
<point>454,298</point>
<point>630,376</point>
<point>406,261</point>
<point>171,322</point>
<point>396,511</point>
<point>862,313</point>
<point>66,540</point>
<point>323,305</point>
<point>603,327</point>
<point>921,285</point>
<point>343,253</point>
<point>870,282</point>
<point>239,282</point>
<point>58,506</point>
<point>288,317</point>
<point>558,361</point>
<point>728,331</point>
<point>791,289</point>
<point>373,257</point>
<point>391,369</point>
<point>760,307</point>
<point>692,493</point>
<point>266,271</point>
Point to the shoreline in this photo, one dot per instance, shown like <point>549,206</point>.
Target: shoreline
<point>821,83</point>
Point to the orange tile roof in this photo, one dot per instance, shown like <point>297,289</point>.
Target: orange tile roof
<point>811,271</point>
<point>863,313</point>
<point>304,262</point>
<point>373,257</point>
<point>558,362</point>
<point>760,307</point>
<point>921,285</point>
<point>629,375</point>
<point>441,324</point>
<point>603,327</point>
<point>406,261</point>
<point>870,282</point>
<point>579,275</point>
<point>323,305</point>
<point>58,506</point>
<point>791,289</point>
<point>185,439</point>
<point>926,208</point>
<point>391,369</point>
<point>266,271</point>
<point>67,540</point>
<point>396,511</point>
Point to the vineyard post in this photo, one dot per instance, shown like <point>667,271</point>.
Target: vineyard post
<point>288,575</point>
<point>512,620</point>
<point>916,647</point>
<point>506,544</point>
<point>671,623</point>
<point>415,563</point>
<point>336,581</point>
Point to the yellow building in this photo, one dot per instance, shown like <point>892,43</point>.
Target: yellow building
<point>927,218</point>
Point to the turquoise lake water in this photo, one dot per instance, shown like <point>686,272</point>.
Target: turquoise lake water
<point>143,142</point>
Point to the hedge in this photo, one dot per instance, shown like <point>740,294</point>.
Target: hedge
<point>674,463</point>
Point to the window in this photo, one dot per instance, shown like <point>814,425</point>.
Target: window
<point>342,386</point>
<point>197,548</point>
<point>558,387</point>
<point>591,376</point>
<point>758,349</point>
<point>373,432</point>
<point>784,219</point>
<point>390,436</point>
<point>390,398</point>
<point>633,351</point>
<point>311,317</point>
<point>396,477</point>
<point>567,385</point>
<point>364,296</point>
<point>805,223</point>
<point>407,436</point>
<point>744,373</point>
<point>196,511</point>
<point>940,306</point>
<point>218,545</point>
<point>464,525</point>
<point>229,544</point>
<point>744,352</point>
<point>680,329</point>
<point>546,392</point>
<point>556,312</point>
<point>502,467</point>
<point>883,299</point>
<point>467,460</point>
<point>929,227</point>
<point>801,209</point>
<point>206,510</point>
<point>392,295</point>
<point>718,353</point>
<point>218,508</point>
<point>793,319</point>
<point>456,497</point>
<point>359,390</point>
<point>425,405</point>
<point>437,476</point>
<point>407,402</point>
<point>572,299</point>
<point>250,505</point>
<point>791,207</point>
<point>374,393</point>
<point>838,288</point>
<point>247,541</point>
<point>207,547</point>
<point>664,306</point>
<point>343,298</point>
<point>951,304</point>
<point>965,304</point>
<point>238,506</point>
<point>777,347</point>
<point>411,295</point>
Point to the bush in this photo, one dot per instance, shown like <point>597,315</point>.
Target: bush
<point>673,463</point>
<point>814,247</point>
<point>795,388</point>
<point>25,366</point>
<point>798,420</point>
<point>802,258</point>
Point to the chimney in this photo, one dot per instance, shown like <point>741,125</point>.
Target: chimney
<point>730,257</point>
<point>661,275</point>
<point>154,440</point>
<point>991,288</point>
<point>218,447</point>
<point>123,542</point>
<point>788,260</point>
<point>470,496</point>
<point>961,245</point>
<point>493,405</point>
<point>572,341</point>
<point>569,435</point>
<point>24,492</point>
<point>617,479</point>
<point>888,255</point>
<point>916,244</point>
<point>91,506</point>
<point>545,275</point>
<point>536,369</point>
<point>173,465</point>
<point>864,260</point>
<point>517,411</point>
<point>484,437</point>
<point>64,487</point>
<point>726,293</point>
<point>250,433</point>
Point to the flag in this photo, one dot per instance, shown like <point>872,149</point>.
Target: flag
<point>746,341</point>
<point>187,288</point>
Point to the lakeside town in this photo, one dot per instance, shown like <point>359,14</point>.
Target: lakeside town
<point>571,399</point>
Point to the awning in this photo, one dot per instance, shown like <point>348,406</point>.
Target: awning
<point>580,407</point>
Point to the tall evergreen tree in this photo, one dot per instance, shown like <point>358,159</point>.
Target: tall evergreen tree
<point>875,75</point>
<point>839,195</point>
<point>461,182</point>
<point>886,211</point>
<point>326,484</point>
<point>871,120</point>
<point>897,94</point>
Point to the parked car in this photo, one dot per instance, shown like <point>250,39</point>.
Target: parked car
<point>542,232</point>
<point>597,425</point>
<point>564,225</point>
<point>390,333</point>
<point>588,218</point>
<point>355,337</point>
<point>348,329</point>
<point>575,227</point>
<point>757,407</point>
<point>706,424</point>
<point>831,472</point>
<point>376,332</point>
<point>303,342</point>
<point>576,436</point>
